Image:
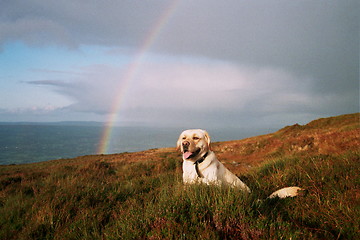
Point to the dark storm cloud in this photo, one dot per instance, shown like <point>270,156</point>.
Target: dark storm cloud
<point>73,23</point>
<point>316,38</point>
<point>316,43</point>
<point>310,38</point>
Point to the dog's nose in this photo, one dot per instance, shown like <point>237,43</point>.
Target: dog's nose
<point>186,143</point>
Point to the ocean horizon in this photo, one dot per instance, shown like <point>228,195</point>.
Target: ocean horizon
<point>22,143</point>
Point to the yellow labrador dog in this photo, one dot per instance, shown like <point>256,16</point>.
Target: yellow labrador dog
<point>200,164</point>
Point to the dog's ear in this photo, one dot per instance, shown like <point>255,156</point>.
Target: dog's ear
<point>207,138</point>
<point>178,144</point>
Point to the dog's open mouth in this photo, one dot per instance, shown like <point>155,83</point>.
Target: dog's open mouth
<point>188,154</point>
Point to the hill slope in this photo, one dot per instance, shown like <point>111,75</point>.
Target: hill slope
<point>334,135</point>
<point>140,195</point>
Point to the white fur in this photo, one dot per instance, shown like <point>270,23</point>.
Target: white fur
<point>213,172</point>
<point>211,169</point>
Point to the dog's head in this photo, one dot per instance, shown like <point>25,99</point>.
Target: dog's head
<point>193,144</point>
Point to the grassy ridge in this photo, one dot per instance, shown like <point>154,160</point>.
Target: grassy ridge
<point>335,135</point>
<point>113,197</point>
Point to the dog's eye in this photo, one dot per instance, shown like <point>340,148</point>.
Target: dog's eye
<point>184,138</point>
<point>196,138</point>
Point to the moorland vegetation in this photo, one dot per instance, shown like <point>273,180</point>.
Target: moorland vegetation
<point>141,196</point>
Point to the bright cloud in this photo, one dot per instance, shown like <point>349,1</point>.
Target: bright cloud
<point>189,85</point>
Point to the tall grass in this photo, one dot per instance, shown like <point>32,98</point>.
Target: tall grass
<point>103,199</point>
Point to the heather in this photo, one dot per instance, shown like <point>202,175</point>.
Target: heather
<point>141,196</point>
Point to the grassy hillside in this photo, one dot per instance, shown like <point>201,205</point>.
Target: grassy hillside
<point>335,135</point>
<point>140,195</point>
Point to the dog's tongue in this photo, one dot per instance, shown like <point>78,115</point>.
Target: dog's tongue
<point>186,155</point>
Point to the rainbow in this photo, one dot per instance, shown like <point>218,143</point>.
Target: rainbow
<point>131,72</point>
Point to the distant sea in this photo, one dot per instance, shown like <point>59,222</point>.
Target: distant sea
<point>29,143</point>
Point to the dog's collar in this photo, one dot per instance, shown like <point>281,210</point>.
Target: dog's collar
<point>202,158</point>
<point>197,164</point>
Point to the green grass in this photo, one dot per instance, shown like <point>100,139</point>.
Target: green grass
<point>146,200</point>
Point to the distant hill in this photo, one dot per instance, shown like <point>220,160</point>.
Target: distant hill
<point>334,135</point>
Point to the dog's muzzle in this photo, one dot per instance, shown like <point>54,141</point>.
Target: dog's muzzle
<point>187,154</point>
<point>185,145</point>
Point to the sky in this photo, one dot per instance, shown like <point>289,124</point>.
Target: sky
<point>181,63</point>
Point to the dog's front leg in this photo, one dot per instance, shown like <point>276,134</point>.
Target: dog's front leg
<point>211,179</point>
